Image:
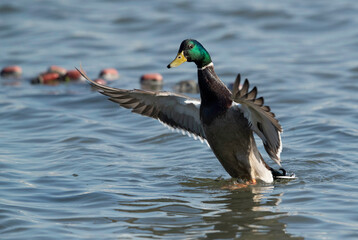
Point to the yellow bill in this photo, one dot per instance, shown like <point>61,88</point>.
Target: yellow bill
<point>178,60</point>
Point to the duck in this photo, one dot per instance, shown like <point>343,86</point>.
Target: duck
<point>226,120</point>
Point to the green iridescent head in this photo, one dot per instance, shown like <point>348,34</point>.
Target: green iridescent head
<point>191,51</point>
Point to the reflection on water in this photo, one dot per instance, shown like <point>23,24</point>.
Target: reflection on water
<point>248,213</point>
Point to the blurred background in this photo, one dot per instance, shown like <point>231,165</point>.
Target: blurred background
<point>74,165</point>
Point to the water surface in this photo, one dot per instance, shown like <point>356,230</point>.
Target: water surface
<point>74,165</point>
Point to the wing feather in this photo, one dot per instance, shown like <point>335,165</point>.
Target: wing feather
<point>174,110</point>
<point>261,120</point>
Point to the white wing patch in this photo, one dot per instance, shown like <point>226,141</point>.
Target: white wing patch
<point>184,132</point>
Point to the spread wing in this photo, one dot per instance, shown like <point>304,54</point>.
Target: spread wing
<point>174,110</point>
<point>261,120</point>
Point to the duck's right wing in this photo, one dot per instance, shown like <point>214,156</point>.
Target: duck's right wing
<point>174,110</point>
<point>261,120</point>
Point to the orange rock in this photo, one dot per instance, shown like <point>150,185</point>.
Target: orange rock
<point>73,75</point>
<point>46,78</point>
<point>56,69</point>
<point>151,78</point>
<point>109,74</point>
<point>11,71</point>
<point>100,81</point>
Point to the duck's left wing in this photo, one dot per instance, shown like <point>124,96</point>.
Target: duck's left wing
<point>261,120</point>
<point>174,110</point>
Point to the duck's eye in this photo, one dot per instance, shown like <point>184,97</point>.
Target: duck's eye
<point>191,46</point>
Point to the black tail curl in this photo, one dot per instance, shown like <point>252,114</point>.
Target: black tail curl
<point>276,174</point>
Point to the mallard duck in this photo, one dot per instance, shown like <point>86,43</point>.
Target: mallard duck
<point>225,120</point>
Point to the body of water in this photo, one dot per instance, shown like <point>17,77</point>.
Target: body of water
<point>75,166</point>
